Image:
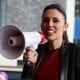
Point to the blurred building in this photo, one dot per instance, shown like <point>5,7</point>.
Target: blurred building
<point>77,22</point>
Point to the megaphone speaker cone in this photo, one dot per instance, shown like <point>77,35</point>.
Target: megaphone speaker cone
<point>6,48</point>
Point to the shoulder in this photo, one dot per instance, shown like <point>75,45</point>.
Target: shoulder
<point>74,48</point>
<point>71,47</point>
<point>42,47</point>
<point>74,45</point>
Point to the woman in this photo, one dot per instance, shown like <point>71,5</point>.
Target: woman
<point>57,59</point>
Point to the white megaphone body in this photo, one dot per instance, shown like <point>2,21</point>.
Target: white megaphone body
<point>13,41</point>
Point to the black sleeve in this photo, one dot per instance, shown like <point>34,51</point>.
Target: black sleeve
<point>77,63</point>
<point>27,71</point>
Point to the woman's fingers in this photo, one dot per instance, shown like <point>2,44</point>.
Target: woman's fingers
<point>29,49</point>
<point>30,55</point>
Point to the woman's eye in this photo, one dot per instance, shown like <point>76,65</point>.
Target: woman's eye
<point>55,21</point>
<point>45,20</point>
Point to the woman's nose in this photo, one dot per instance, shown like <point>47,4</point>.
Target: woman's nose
<point>51,23</point>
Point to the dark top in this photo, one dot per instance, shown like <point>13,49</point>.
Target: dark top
<point>69,62</point>
<point>49,66</point>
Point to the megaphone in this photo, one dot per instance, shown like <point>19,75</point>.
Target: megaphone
<point>13,41</point>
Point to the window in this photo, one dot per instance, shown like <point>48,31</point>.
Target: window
<point>3,9</point>
<point>77,8</point>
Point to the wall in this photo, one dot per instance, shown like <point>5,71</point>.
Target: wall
<point>26,14</point>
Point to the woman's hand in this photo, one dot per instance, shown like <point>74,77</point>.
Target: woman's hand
<point>30,55</point>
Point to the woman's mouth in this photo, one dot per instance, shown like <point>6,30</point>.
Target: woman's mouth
<point>50,32</point>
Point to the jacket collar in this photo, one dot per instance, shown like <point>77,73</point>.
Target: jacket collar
<point>64,61</point>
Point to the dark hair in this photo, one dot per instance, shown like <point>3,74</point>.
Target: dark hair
<point>59,8</point>
<point>56,6</point>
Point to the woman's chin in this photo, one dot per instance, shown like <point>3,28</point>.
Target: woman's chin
<point>50,38</point>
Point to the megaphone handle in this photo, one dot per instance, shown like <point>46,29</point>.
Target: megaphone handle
<point>35,46</point>
<point>28,62</point>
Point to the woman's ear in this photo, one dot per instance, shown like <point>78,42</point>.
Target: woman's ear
<point>65,27</point>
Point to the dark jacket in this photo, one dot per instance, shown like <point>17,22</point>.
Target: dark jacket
<point>70,62</point>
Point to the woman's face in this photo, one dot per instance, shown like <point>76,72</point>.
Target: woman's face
<point>53,24</point>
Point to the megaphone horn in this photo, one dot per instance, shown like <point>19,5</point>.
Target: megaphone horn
<point>13,41</point>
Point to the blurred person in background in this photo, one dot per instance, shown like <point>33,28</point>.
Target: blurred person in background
<point>3,75</point>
